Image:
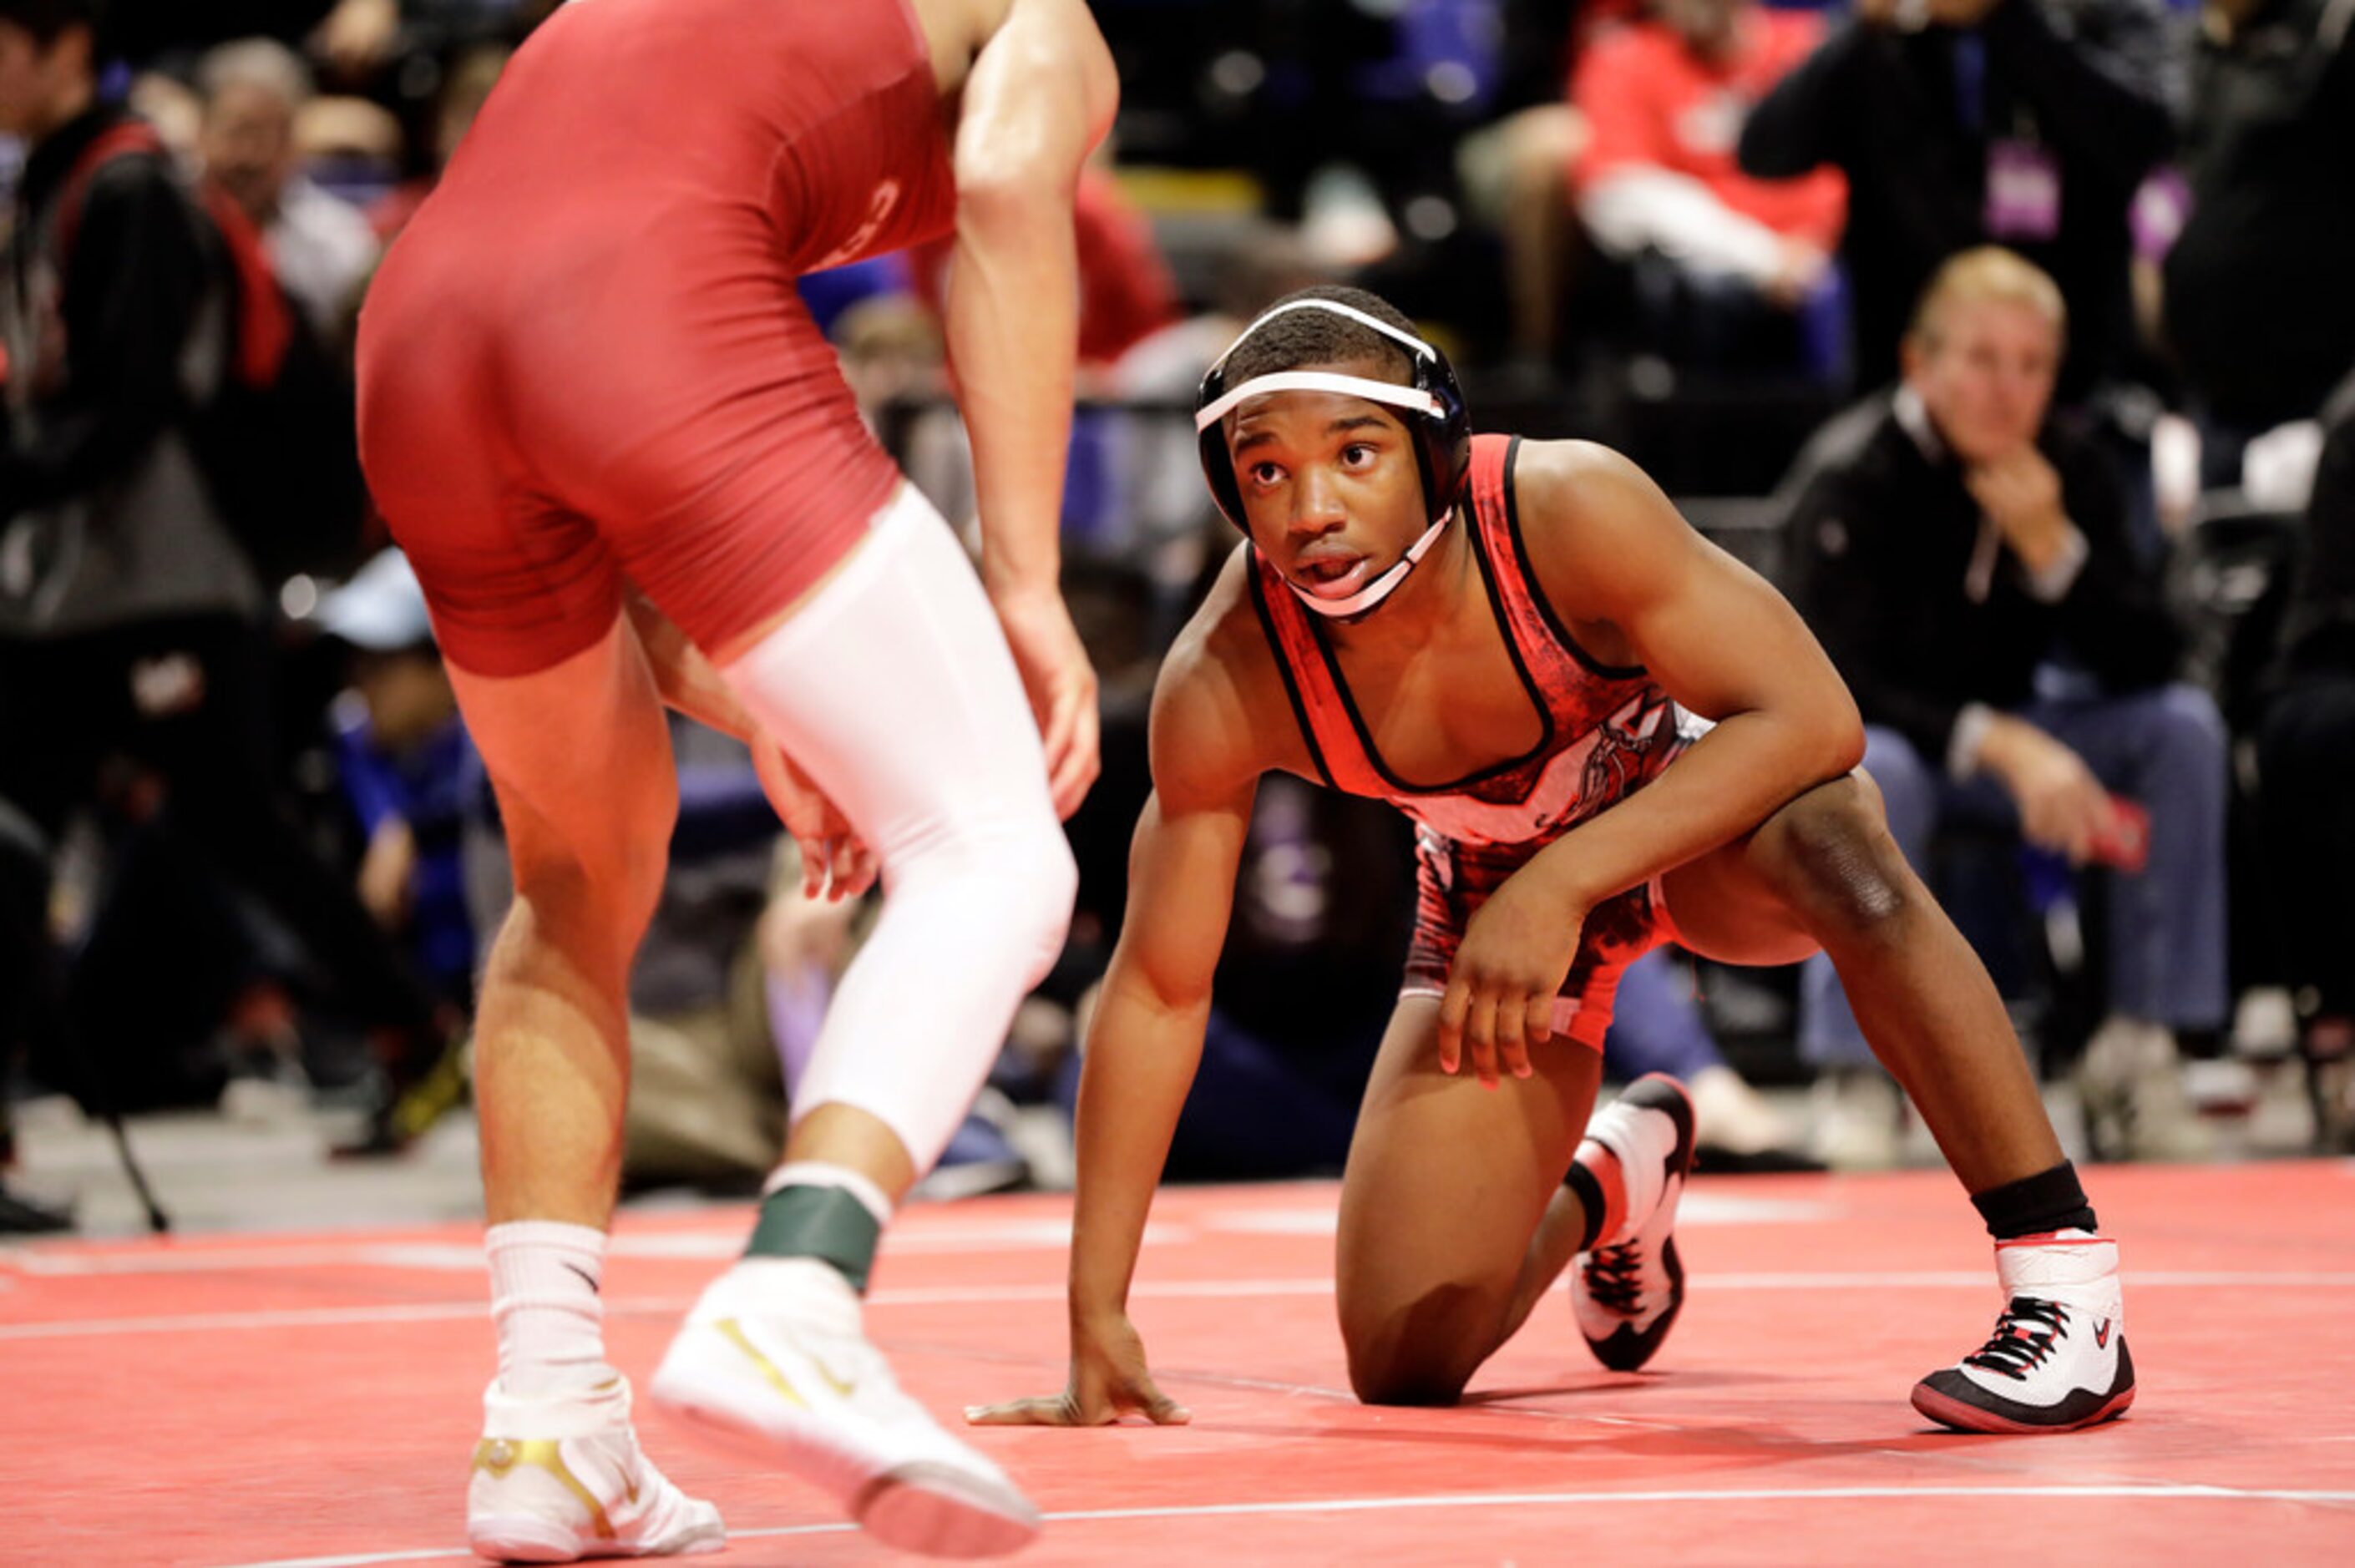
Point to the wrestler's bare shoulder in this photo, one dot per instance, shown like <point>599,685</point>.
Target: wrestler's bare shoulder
<point>1598,532</point>
<point>956,30</point>
<point>1220,715</point>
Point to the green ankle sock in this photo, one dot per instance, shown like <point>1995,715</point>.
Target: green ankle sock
<point>825,1222</point>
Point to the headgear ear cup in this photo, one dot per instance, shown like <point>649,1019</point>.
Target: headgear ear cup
<point>1435,414</point>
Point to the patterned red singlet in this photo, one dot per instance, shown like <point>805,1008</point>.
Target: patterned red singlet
<point>1607,732</point>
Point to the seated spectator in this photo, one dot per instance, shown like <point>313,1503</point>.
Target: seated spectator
<point>127,607</point>
<point>1514,172</point>
<point>408,770</point>
<point>1514,175</point>
<point>2028,123</point>
<point>1951,559</point>
<point>2258,307</point>
<point>2307,760</point>
<point>320,246</point>
<point>1664,101</point>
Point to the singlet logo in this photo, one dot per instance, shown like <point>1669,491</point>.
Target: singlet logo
<point>1592,773</point>
<point>878,212</point>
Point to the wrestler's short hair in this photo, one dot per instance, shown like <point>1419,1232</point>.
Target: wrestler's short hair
<point>1298,338</point>
<point>1321,339</point>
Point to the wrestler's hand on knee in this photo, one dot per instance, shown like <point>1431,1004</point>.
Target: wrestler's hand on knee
<point>1062,684</point>
<point>1108,1380</point>
<point>1499,1000</point>
<point>836,863</point>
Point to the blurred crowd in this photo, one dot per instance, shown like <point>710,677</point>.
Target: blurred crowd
<point>2013,339</point>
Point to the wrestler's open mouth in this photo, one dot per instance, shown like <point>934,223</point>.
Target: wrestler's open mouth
<point>1332,576</point>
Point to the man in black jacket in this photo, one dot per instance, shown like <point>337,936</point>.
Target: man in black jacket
<point>2026,122</point>
<point>128,613</point>
<point>1949,563</point>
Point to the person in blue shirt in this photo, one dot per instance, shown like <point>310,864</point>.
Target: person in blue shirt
<point>409,771</point>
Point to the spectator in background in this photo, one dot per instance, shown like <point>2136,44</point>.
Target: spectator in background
<point>127,610</point>
<point>409,773</point>
<point>466,84</point>
<point>1724,260</point>
<point>2306,760</point>
<point>1173,526</point>
<point>321,246</point>
<point>361,41</point>
<point>707,1103</point>
<point>2026,122</point>
<point>357,37</point>
<point>1947,563</point>
<point>2259,286</point>
<point>896,364</point>
<point>1514,172</point>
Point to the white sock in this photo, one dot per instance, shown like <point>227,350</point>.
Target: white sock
<point>544,1278</point>
<point>820,1173</point>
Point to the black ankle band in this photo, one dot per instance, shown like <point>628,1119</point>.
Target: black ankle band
<point>1581,1181</point>
<point>2049,1200</point>
<point>824,1223</point>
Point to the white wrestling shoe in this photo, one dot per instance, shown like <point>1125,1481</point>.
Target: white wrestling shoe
<point>1627,1291</point>
<point>2058,1358</point>
<point>559,1479</point>
<point>773,1353</point>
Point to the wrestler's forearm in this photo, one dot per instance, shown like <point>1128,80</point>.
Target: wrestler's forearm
<point>1733,778</point>
<point>1142,1055</point>
<point>1013,330</point>
<point>682,674</point>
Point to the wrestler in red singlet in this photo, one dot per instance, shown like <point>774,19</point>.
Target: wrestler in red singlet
<point>586,360</point>
<point>629,474</point>
<point>1407,581</point>
<point>1606,731</point>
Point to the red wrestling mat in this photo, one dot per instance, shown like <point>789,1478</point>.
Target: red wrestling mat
<point>311,1400</point>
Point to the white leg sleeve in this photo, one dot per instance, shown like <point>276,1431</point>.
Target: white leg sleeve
<point>893,689</point>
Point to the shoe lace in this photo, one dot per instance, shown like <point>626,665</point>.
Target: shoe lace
<point>1615,1278</point>
<point>2015,1348</point>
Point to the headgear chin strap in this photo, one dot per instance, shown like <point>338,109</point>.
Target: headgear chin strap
<point>1373,593</point>
<point>1432,405</point>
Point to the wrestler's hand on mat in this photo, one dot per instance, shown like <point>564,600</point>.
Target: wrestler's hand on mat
<point>836,863</point>
<point>1517,951</point>
<point>1108,1382</point>
<point>1062,684</point>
